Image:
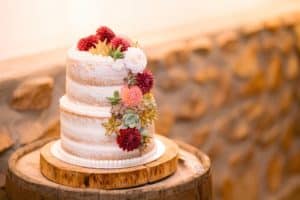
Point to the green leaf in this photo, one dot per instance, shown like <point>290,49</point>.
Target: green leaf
<point>115,99</point>
<point>116,94</point>
<point>116,53</point>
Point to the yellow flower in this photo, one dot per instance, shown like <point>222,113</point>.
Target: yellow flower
<point>102,48</point>
<point>111,125</point>
<point>148,110</point>
<point>147,116</point>
<point>148,100</point>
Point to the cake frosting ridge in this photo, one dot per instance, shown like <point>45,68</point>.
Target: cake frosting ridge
<point>108,110</point>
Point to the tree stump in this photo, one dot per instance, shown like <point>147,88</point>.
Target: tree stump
<point>191,181</point>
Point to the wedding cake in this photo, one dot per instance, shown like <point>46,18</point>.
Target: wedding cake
<point>108,110</point>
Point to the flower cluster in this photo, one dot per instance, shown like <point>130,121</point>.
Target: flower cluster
<point>133,111</point>
<point>133,108</point>
<point>106,43</point>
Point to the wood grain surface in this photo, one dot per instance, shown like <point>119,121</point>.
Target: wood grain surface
<point>191,181</point>
<point>76,176</point>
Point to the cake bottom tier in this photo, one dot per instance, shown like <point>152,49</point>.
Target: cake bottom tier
<point>101,151</point>
<point>83,136</point>
<point>144,158</point>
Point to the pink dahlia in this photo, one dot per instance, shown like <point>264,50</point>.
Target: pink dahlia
<point>117,42</point>
<point>84,44</point>
<point>144,81</point>
<point>129,139</point>
<point>131,96</point>
<point>105,33</point>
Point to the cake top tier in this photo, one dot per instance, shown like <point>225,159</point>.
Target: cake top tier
<point>106,48</point>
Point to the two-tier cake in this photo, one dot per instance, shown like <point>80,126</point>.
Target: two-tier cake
<point>108,111</point>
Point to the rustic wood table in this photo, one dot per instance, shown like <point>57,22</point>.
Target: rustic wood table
<point>191,181</point>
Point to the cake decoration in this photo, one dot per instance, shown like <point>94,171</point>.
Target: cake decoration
<point>120,43</point>
<point>131,96</point>
<point>135,59</point>
<point>125,54</point>
<point>133,112</point>
<point>133,108</point>
<point>105,33</point>
<point>105,43</point>
<point>145,81</point>
<point>129,139</point>
<point>84,44</point>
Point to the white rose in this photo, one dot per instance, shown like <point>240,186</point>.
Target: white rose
<point>118,65</point>
<point>135,59</point>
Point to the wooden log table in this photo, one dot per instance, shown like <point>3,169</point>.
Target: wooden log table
<point>191,181</point>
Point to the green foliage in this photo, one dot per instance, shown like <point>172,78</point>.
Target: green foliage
<point>116,53</point>
<point>131,120</point>
<point>115,99</point>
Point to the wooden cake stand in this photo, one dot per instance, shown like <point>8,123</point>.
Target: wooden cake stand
<point>191,180</point>
<point>76,176</point>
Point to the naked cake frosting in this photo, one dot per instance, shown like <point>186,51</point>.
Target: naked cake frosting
<point>108,110</point>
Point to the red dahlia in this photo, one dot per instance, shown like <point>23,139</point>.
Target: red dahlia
<point>145,81</point>
<point>105,33</point>
<point>129,139</point>
<point>117,42</point>
<point>84,44</point>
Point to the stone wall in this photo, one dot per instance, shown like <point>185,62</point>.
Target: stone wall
<point>234,94</point>
<point>28,108</point>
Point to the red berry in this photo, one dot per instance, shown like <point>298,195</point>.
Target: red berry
<point>105,33</point>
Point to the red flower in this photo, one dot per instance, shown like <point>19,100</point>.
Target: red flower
<point>120,42</point>
<point>129,139</point>
<point>104,32</point>
<point>145,81</point>
<point>84,44</point>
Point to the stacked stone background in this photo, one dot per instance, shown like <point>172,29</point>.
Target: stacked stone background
<point>235,94</point>
<point>28,111</point>
<point>236,97</point>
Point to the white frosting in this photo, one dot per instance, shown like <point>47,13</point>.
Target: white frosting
<point>118,65</point>
<point>89,93</point>
<point>87,57</point>
<point>99,70</point>
<point>94,69</point>
<point>84,109</point>
<point>84,129</point>
<point>97,151</point>
<point>155,153</point>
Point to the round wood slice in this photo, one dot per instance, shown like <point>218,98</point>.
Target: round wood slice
<point>76,176</point>
<point>192,180</point>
